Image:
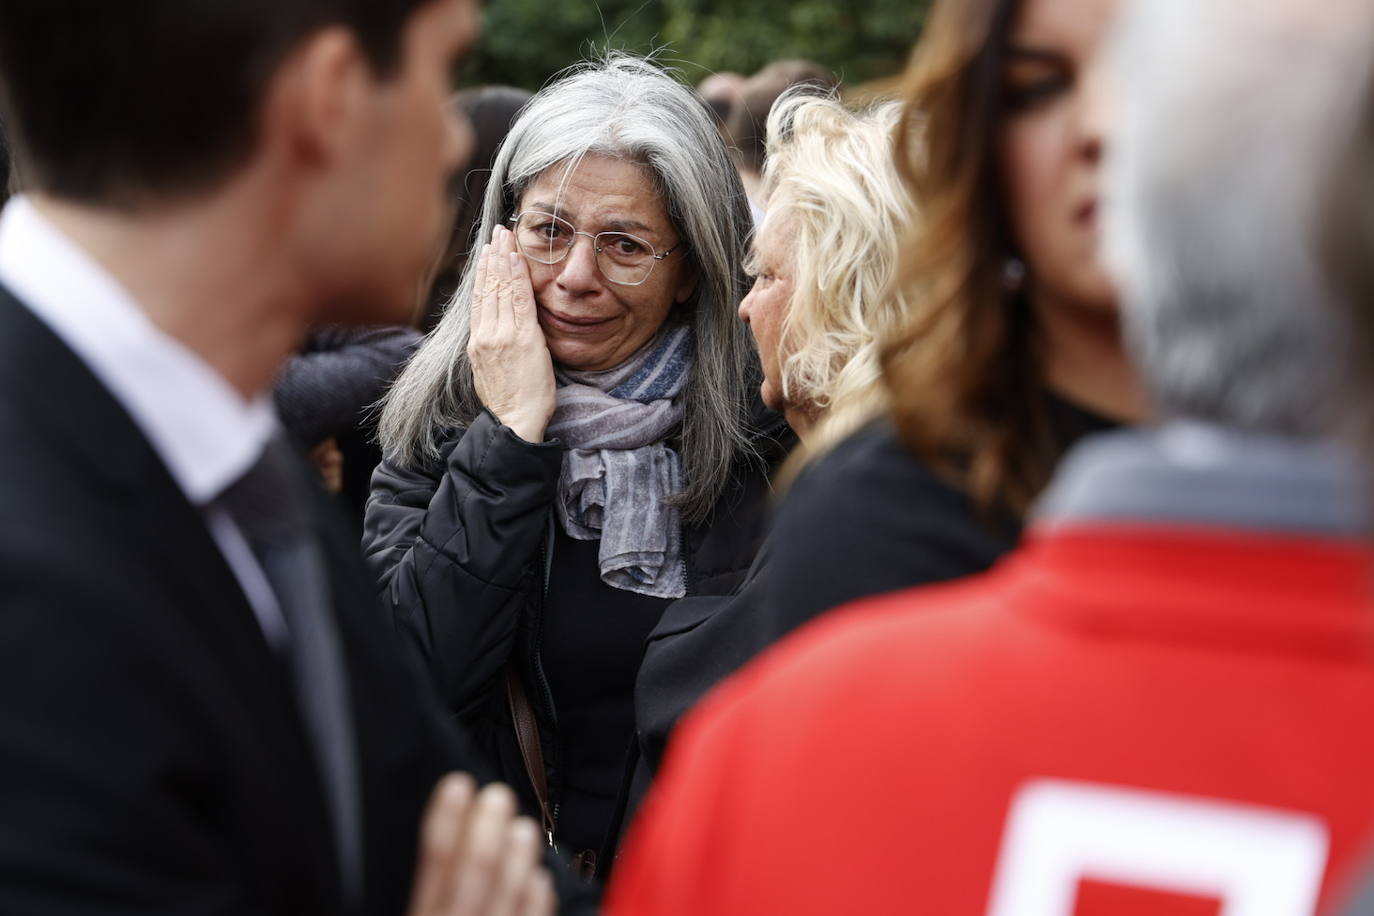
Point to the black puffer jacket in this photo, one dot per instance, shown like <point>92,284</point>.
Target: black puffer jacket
<point>866,518</point>
<point>462,552</point>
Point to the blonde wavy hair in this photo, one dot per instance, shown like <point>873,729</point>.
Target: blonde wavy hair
<point>831,179</point>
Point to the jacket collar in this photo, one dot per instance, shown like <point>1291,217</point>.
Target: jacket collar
<point>1198,535</point>
<point>1200,474</point>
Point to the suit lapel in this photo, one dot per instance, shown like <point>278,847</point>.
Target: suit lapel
<point>93,431</point>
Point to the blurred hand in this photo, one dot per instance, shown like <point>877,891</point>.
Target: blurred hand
<point>511,366</point>
<point>328,461</point>
<point>477,858</point>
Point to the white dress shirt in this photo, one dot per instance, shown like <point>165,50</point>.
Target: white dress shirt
<point>204,431</point>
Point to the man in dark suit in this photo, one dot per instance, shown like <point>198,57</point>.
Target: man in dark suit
<point>200,710</point>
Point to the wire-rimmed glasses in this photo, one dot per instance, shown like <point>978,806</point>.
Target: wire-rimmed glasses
<point>623,259</point>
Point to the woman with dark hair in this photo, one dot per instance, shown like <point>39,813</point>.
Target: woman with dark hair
<point>1149,707</point>
<point>1012,351</point>
<point>576,445</point>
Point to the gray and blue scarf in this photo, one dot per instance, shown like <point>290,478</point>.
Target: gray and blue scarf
<point>618,471</point>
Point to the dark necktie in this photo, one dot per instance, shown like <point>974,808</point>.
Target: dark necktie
<point>274,516</point>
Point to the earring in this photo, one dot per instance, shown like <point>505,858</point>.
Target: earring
<point>1013,274</point>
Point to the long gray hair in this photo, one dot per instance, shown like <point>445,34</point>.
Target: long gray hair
<point>629,108</point>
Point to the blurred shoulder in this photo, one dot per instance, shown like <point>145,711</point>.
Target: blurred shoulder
<point>872,652</point>
<point>868,484</point>
<point>872,464</point>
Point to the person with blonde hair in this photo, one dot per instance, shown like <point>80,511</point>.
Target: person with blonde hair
<point>1012,349</point>
<point>824,262</point>
<point>1157,703</point>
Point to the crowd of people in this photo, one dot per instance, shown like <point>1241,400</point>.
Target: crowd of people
<point>641,498</point>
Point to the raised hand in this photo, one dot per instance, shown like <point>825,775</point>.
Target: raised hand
<point>511,366</point>
<point>477,858</point>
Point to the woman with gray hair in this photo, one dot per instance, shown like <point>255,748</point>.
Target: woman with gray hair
<point>577,443</point>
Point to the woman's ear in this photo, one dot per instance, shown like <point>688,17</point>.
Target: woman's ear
<point>687,284</point>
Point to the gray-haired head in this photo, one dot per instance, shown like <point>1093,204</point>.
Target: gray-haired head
<point>1228,118</point>
<point>629,108</point>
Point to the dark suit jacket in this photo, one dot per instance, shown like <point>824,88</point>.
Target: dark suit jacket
<point>152,759</point>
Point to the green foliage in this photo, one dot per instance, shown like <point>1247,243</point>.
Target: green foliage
<point>524,42</point>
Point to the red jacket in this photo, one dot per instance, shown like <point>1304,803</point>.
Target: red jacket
<point>1118,719</point>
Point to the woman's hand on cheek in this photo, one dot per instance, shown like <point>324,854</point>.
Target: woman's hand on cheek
<point>511,366</point>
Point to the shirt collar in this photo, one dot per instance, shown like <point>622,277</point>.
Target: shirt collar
<point>200,426</point>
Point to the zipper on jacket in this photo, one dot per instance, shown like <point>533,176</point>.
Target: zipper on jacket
<point>684,540</point>
<point>547,555</point>
<point>546,692</point>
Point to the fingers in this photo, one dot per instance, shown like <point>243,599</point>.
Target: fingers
<point>517,867</point>
<point>478,311</point>
<point>501,267</point>
<point>479,854</point>
<point>538,897</point>
<point>502,296</point>
<point>477,858</point>
<point>512,370</point>
<point>440,836</point>
<point>522,294</point>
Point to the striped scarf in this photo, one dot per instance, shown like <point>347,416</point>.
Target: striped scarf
<point>618,472</point>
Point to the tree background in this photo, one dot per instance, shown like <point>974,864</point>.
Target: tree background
<point>524,42</point>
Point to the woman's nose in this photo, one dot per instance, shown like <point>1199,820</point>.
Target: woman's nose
<point>744,306</point>
<point>1094,112</point>
<point>578,269</point>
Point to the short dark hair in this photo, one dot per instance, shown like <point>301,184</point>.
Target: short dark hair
<point>747,120</point>
<point>112,101</point>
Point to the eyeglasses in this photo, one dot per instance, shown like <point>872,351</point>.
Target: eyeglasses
<point>623,259</point>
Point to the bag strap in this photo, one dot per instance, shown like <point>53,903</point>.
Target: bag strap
<point>531,748</point>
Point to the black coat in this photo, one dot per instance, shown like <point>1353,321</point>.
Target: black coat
<point>866,518</point>
<point>152,759</point>
<point>328,390</point>
<point>461,549</point>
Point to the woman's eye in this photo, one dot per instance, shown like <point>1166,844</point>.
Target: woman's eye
<point>627,246</point>
<point>549,230</point>
<point>1027,94</point>
<point>1033,77</point>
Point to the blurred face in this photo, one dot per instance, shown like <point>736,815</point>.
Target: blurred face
<point>590,323</point>
<point>766,305</point>
<point>1052,144</point>
<point>409,144</point>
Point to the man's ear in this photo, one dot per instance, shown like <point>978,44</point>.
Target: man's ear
<point>316,97</point>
